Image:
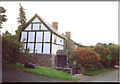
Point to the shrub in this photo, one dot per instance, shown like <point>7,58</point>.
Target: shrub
<point>85,57</point>
<point>104,54</point>
<point>11,47</point>
<point>114,53</point>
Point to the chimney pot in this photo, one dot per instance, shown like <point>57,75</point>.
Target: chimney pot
<point>68,34</point>
<point>55,24</point>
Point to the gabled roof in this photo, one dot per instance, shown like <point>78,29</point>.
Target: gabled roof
<point>49,26</point>
<point>71,40</point>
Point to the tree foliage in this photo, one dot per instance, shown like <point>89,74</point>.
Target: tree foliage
<point>104,54</point>
<point>21,20</point>
<point>3,17</point>
<point>114,48</point>
<point>85,56</point>
<point>11,48</point>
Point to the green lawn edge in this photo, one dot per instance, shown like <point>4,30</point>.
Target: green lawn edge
<point>43,71</point>
<point>96,72</point>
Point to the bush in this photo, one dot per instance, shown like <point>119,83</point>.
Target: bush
<point>104,53</point>
<point>85,57</point>
<point>11,47</point>
<point>114,53</point>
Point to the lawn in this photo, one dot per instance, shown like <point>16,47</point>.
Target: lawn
<point>92,73</point>
<point>44,71</point>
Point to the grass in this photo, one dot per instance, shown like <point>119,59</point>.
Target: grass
<point>43,71</point>
<point>92,73</point>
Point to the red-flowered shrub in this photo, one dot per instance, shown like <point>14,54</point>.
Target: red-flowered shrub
<point>104,55</point>
<point>85,56</point>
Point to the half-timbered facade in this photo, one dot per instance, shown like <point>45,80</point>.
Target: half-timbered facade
<point>44,40</point>
<point>41,37</point>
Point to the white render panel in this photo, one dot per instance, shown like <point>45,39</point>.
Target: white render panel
<point>46,48</point>
<point>23,37</point>
<point>38,47</point>
<point>28,27</point>
<point>31,36</point>
<point>36,20</point>
<point>47,36</point>
<point>36,26</point>
<point>39,36</point>
<point>43,27</point>
<point>31,47</point>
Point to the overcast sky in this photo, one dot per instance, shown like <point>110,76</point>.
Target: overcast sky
<point>89,22</point>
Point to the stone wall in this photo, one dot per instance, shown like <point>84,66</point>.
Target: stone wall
<point>46,60</point>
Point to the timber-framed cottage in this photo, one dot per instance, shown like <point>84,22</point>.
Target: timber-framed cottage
<point>44,40</point>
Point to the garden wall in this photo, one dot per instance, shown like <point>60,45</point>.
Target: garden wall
<point>46,60</point>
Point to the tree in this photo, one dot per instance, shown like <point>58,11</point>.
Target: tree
<point>2,16</point>
<point>114,53</point>
<point>12,49</point>
<point>104,53</point>
<point>21,20</point>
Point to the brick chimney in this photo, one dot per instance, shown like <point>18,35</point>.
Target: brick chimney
<point>68,34</point>
<point>55,24</point>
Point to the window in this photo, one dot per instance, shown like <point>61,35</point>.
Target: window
<point>36,20</point>
<point>61,41</point>
<point>43,27</point>
<point>31,47</point>
<point>36,26</point>
<point>47,36</point>
<point>39,36</point>
<point>46,48</point>
<point>28,27</point>
<point>31,36</point>
<point>38,47</point>
<point>24,37</point>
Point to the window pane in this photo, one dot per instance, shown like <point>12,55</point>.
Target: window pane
<point>36,26</point>
<point>36,20</point>
<point>47,36</point>
<point>38,47</point>
<point>23,37</point>
<point>46,48</point>
<point>39,36</point>
<point>31,47</point>
<point>31,36</point>
<point>43,27</point>
<point>28,27</point>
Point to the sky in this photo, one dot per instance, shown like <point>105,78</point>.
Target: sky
<point>89,22</point>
